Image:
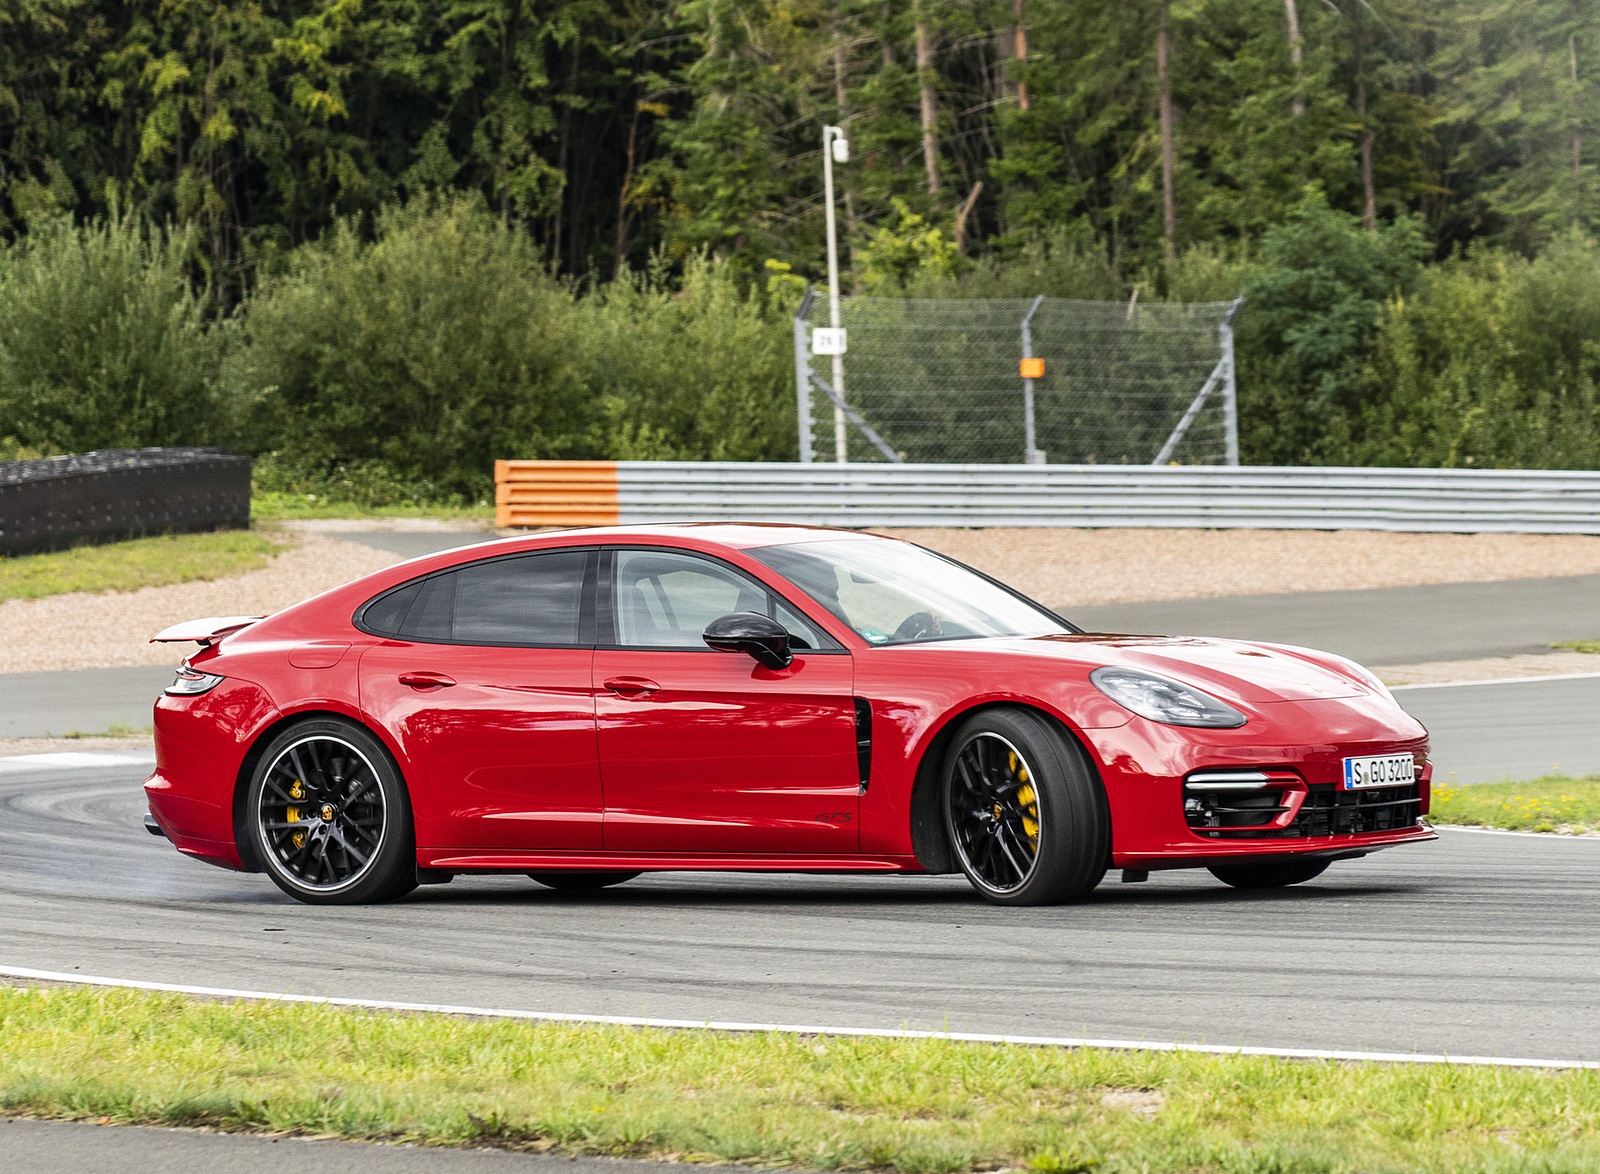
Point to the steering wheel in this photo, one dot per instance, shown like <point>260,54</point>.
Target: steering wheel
<point>917,625</point>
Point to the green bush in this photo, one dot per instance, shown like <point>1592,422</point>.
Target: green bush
<point>408,362</point>
<point>1493,361</point>
<point>104,340</point>
<point>696,369</point>
<point>1307,328</point>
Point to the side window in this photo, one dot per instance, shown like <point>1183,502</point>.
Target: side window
<point>534,599</point>
<point>521,599</point>
<point>665,600</point>
<point>801,632</point>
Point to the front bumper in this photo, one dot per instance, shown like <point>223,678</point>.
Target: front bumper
<point>1300,747</point>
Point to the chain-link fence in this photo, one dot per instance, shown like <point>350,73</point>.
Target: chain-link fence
<point>944,380</point>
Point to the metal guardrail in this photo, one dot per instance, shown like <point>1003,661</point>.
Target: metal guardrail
<point>120,493</point>
<point>540,493</point>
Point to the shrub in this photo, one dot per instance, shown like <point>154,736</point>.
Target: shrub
<point>1494,361</point>
<point>103,339</point>
<point>411,359</point>
<point>1307,329</point>
<point>703,371</point>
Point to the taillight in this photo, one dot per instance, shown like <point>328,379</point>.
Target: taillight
<point>191,683</point>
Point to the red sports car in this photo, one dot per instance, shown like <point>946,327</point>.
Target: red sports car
<point>588,705</point>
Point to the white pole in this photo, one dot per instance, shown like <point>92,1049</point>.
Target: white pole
<point>840,440</point>
<point>1030,434</point>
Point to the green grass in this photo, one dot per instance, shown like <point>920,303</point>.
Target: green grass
<point>277,507</point>
<point>143,562</point>
<point>822,1103</point>
<point>114,730</point>
<point>1589,646</point>
<point>1555,803</point>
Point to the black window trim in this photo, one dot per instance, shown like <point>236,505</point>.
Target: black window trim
<point>606,611</point>
<point>586,604</point>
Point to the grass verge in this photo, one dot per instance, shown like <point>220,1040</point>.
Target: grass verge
<point>142,562</point>
<point>274,506</point>
<point>824,1103</point>
<point>1590,646</point>
<point>1554,803</point>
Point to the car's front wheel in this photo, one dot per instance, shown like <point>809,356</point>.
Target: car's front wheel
<point>330,817</point>
<point>1024,811</point>
<point>1276,874</point>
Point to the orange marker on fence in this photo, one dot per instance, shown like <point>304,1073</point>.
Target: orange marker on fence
<point>1032,368</point>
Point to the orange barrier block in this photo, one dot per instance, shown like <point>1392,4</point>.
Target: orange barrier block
<point>555,493</point>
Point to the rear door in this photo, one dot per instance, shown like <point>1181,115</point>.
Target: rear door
<point>486,679</point>
<point>710,752</point>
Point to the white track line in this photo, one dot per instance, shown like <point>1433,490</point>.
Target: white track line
<point>1458,827</point>
<point>1498,681</point>
<point>1120,1045</point>
<point>75,759</point>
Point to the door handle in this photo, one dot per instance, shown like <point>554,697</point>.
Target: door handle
<point>426,680</point>
<point>631,686</point>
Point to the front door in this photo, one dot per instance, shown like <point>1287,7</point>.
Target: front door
<point>710,752</point>
<point>486,678</point>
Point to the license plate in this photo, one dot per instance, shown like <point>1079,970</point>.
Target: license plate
<point>1383,770</point>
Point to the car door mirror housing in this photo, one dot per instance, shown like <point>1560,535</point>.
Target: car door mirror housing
<point>754,634</point>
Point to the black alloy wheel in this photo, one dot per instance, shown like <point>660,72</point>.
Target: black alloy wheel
<point>581,882</point>
<point>1024,810</point>
<point>1274,874</point>
<point>329,816</point>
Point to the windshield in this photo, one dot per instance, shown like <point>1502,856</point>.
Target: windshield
<point>895,593</point>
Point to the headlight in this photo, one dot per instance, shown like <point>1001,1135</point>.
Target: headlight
<point>191,683</point>
<point>1162,699</point>
<point>1368,676</point>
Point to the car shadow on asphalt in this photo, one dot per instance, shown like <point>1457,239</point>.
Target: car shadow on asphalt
<point>951,894</point>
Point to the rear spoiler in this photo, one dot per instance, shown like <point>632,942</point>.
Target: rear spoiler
<point>203,632</point>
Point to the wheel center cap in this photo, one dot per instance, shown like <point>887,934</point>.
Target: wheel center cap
<point>327,813</point>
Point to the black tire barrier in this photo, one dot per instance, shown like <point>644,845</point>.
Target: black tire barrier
<point>107,496</point>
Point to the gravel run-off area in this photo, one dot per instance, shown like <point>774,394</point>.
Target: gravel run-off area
<point>1082,568</point>
<point>1061,567</point>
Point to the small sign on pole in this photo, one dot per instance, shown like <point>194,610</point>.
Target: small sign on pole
<point>828,340</point>
<point>1033,368</point>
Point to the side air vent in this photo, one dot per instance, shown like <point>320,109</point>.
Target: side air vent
<point>864,741</point>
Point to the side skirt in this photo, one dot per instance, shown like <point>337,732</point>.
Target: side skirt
<point>458,860</point>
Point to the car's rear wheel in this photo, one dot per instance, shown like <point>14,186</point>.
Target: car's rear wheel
<point>581,882</point>
<point>1276,874</point>
<point>1024,810</point>
<point>330,816</point>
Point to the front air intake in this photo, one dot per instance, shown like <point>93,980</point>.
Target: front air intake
<point>1241,801</point>
<point>1270,804</point>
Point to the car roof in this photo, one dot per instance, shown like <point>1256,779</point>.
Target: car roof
<point>737,535</point>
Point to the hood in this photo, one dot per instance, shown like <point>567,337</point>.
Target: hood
<point>1236,670</point>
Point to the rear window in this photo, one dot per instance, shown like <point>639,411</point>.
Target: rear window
<point>535,599</point>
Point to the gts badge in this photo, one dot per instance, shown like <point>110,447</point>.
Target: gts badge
<point>835,817</point>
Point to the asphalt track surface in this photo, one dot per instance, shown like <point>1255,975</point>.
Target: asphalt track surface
<point>1387,625</point>
<point>67,1147</point>
<point>1479,944</point>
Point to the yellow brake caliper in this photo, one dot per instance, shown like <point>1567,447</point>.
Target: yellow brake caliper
<point>296,791</point>
<point>1028,801</point>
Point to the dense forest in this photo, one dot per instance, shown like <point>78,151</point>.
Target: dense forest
<point>1405,189</point>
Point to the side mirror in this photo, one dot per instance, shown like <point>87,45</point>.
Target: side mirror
<point>752,633</point>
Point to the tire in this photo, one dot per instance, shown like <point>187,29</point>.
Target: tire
<point>329,816</point>
<point>1024,811</point>
<point>1276,874</point>
<point>581,882</point>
